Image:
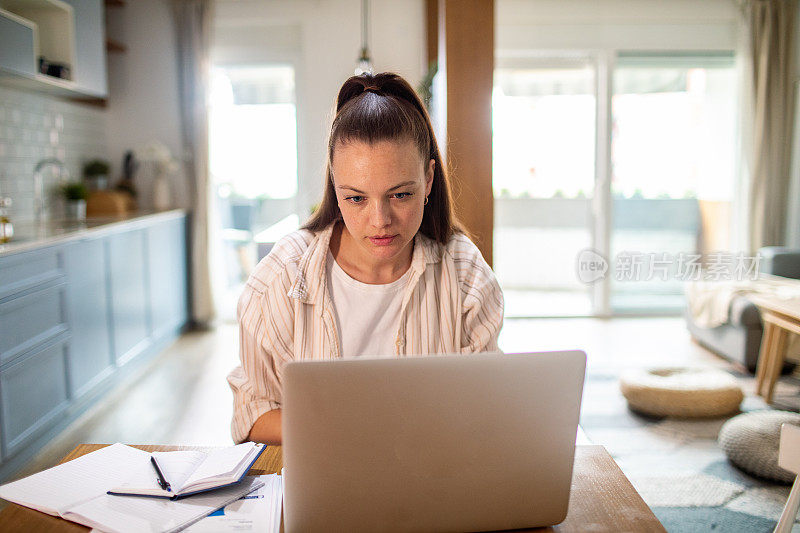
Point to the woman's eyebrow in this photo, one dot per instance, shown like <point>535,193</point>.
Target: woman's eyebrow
<point>398,186</point>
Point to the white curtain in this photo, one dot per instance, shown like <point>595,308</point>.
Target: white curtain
<point>771,40</point>
<point>193,21</point>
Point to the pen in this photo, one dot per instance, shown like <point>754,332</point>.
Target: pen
<point>162,482</point>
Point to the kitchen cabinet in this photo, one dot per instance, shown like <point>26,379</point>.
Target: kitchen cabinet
<point>69,32</point>
<point>33,393</point>
<point>88,311</point>
<point>128,294</point>
<point>166,250</point>
<point>90,53</point>
<point>17,51</point>
<point>77,315</point>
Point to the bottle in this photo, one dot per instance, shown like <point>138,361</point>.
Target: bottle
<point>6,228</point>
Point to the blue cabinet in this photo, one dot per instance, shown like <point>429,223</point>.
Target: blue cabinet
<point>129,294</point>
<point>33,393</point>
<point>166,252</point>
<point>90,356</point>
<point>17,53</point>
<point>77,316</point>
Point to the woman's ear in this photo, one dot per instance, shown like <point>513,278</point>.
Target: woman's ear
<point>429,176</point>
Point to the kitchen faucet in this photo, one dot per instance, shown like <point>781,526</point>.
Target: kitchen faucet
<point>38,184</point>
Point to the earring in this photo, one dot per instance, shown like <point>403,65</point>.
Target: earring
<point>426,201</point>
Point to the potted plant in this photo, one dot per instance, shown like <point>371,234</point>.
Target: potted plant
<point>75,193</point>
<point>96,172</point>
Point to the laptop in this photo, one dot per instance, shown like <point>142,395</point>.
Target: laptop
<point>433,443</point>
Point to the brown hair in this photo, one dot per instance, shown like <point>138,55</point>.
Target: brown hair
<point>384,107</point>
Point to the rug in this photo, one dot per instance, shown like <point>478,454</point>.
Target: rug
<point>677,466</point>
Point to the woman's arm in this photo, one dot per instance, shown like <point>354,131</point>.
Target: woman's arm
<point>267,428</point>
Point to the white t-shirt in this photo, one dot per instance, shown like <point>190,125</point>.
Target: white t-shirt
<point>367,316</point>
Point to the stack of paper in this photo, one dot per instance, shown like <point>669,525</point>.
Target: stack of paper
<point>76,491</point>
<point>258,511</point>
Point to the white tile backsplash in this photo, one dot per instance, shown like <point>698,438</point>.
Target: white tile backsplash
<point>33,127</point>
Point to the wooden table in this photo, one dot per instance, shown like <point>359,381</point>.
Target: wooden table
<point>781,317</point>
<point>602,498</point>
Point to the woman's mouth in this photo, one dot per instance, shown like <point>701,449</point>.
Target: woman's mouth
<point>382,240</point>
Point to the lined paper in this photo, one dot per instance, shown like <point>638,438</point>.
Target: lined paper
<point>133,514</point>
<point>55,490</point>
<point>176,466</point>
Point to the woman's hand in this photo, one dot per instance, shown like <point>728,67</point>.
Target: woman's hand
<point>267,428</point>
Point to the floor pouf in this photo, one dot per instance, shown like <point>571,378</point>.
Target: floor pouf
<point>682,392</point>
<point>751,442</point>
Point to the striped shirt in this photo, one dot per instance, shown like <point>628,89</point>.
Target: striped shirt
<point>451,304</point>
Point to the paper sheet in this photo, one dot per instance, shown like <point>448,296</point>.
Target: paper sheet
<point>135,514</point>
<point>258,511</point>
<point>55,490</point>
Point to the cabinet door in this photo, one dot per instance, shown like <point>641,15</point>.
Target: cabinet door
<point>30,320</point>
<point>33,392</point>
<point>16,45</point>
<point>129,294</point>
<point>90,359</point>
<point>167,259</point>
<point>90,47</point>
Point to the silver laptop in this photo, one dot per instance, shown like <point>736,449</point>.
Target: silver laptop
<point>434,443</point>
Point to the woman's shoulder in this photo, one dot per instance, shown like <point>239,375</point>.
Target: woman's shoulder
<point>463,250</point>
<point>470,266</point>
<point>282,261</point>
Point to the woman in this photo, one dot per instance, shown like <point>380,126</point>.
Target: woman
<point>381,268</point>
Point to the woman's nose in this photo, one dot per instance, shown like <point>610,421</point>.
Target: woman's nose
<point>380,216</point>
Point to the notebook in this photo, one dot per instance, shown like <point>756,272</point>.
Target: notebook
<point>76,491</point>
<point>191,471</point>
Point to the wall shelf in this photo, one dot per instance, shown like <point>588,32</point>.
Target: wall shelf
<point>60,32</point>
<point>53,25</point>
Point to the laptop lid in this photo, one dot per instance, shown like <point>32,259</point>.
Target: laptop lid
<point>432,443</point>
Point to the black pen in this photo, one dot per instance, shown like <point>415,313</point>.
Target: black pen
<point>162,482</point>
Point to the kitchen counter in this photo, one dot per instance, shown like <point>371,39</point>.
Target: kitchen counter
<point>29,236</point>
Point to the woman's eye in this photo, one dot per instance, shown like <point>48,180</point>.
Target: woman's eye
<point>402,195</point>
<point>355,199</point>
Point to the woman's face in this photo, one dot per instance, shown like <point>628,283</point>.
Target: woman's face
<point>381,189</point>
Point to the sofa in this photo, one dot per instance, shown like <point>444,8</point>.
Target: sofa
<point>739,340</point>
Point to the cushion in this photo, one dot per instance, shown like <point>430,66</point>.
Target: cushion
<point>751,442</point>
<point>682,392</point>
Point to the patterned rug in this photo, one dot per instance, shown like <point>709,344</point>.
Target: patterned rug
<point>677,466</point>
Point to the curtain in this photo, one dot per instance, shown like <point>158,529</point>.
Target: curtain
<point>771,40</point>
<point>193,23</point>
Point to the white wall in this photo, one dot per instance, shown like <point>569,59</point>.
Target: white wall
<point>322,39</point>
<point>143,86</point>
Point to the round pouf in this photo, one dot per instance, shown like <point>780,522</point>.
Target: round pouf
<point>751,442</point>
<point>682,392</point>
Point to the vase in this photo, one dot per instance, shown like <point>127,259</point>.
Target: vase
<point>162,195</point>
<point>76,209</point>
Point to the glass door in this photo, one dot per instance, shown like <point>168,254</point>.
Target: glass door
<point>543,179</point>
<point>253,161</point>
<point>674,128</point>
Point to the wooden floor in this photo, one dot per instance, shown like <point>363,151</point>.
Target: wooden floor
<point>182,398</point>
